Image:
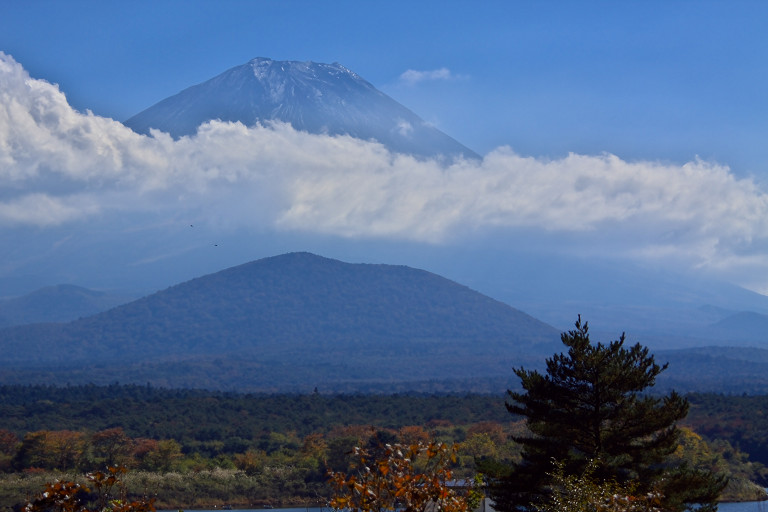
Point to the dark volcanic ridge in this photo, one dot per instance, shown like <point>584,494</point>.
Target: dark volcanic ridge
<point>296,318</point>
<point>298,321</point>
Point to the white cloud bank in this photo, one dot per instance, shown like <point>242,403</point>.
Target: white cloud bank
<point>59,166</point>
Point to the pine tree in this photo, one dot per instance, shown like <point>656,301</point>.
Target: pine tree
<point>591,406</point>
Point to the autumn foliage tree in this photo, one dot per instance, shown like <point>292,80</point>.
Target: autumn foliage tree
<point>104,493</point>
<point>409,478</point>
<point>585,493</point>
<point>52,449</point>
<point>9,444</point>
<point>111,447</point>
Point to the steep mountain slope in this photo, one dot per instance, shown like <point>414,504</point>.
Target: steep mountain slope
<point>279,322</point>
<point>313,97</point>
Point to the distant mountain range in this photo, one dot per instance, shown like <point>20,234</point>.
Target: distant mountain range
<point>299,321</point>
<point>60,303</point>
<point>312,97</point>
<point>744,325</point>
<point>289,322</point>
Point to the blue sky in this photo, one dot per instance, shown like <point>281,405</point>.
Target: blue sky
<point>642,80</point>
<point>631,129</point>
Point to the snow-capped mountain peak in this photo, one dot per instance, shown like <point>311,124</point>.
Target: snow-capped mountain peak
<point>313,97</point>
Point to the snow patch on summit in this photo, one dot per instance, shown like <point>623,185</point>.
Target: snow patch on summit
<point>312,97</point>
<point>260,68</point>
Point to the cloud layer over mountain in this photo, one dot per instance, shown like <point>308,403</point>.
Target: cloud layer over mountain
<point>60,167</point>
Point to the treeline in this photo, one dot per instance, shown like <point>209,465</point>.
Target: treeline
<point>277,468</point>
<point>286,470</point>
<point>69,450</point>
<point>196,417</point>
<point>280,468</point>
<point>279,447</point>
<point>741,420</point>
<point>191,416</point>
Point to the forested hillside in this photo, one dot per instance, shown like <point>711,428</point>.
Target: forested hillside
<point>195,415</point>
<point>296,322</point>
<point>287,323</point>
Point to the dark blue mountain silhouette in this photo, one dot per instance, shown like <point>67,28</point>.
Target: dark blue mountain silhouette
<point>285,322</point>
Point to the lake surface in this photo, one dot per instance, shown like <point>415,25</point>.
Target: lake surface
<point>747,506</point>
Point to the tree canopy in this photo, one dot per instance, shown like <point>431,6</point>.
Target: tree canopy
<point>590,407</point>
<point>395,476</point>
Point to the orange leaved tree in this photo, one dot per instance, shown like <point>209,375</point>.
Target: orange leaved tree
<point>105,494</point>
<point>408,478</point>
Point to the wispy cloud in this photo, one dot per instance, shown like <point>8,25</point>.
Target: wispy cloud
<point>413,77</point>
<point>59,166</point>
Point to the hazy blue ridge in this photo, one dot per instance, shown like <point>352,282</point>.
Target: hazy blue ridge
<point>297,321</point>
<point>60,303</point>
<point>296,317</point>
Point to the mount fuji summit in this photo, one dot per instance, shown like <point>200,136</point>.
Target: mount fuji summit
<point>312,97</point>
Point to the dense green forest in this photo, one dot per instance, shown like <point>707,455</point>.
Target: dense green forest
<point>197,416</point>
<point>262,450</point>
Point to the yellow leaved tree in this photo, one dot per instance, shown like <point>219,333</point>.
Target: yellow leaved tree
<point>407,478</point>
<point>105,494</point>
